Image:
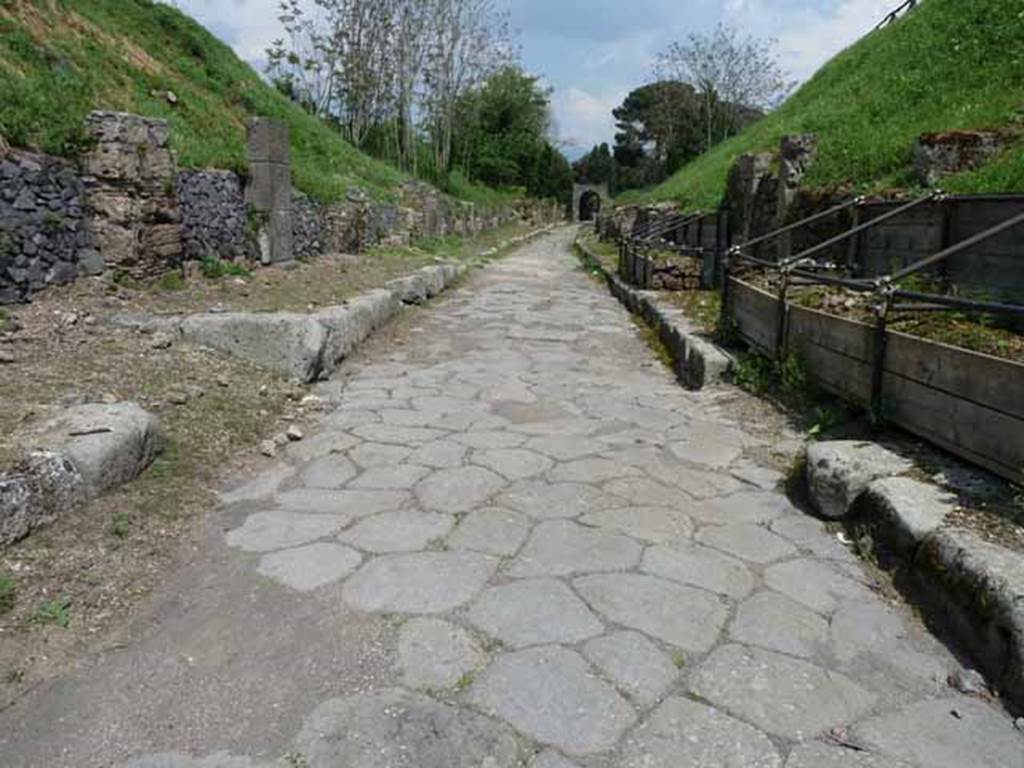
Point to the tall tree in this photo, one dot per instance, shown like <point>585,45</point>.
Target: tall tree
<point>731,72</point>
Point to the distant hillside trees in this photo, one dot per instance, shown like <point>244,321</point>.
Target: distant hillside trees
<point>707,89</point>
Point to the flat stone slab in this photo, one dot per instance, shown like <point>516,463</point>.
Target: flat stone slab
<point>369,455</point>
<point>643,490</point>
<point>746,507</point>
<point>561,447</point>
<point>751,543</point>
<point>436,655</point>
<point>397,728</point>
<point>699,566</point>
<point>534,612</point>
<point>262,486</point>
<point>420,583</point>
<point>269,531</point>
<point>354,504</point>
<point>439,454</point>
<point>493,531</point>
<point>395,435</point>
<point>688,618</point>
<point>551,759</point>
<point>513,463</point>
<point>546,501</point>
<point>550,694</point>
<point>686,734</point>
<point>945,733</point>
<point>783,696</point>
<point>458,490</point>
<point>654,524</point>
<point>635,664</point>
<point>403,531</point>
<point>490,439</point>
<point>400,477</point>
<point>177,760</point>
<point>561,548</point>
<point>329,472</point>
<point>817,585</point>
<point>307,568</point>
<point>591,471</point>
<point>826,756</point>
<point>771,621</point>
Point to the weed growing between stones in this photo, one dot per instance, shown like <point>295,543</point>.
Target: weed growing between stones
<point>8,593</point>
<point>464,682</point>
<point>172,281</point>
<point>652,338</point>
<point>56,611</point>
<point>121,525</point>
<point>213,268</point>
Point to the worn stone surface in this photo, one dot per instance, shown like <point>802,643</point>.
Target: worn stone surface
<point>838,471</point>
<point>825,756</point>
<point>549,694</point>
<point>820,586</point>
<point>458,490</point>
<point>426,582</point>
<point>309,567</point>
<point>406,730</point>
<point>682,616</point>
<point>699,566</point>
<point>434,654</point>
<point>753,543</point>
<point>403,531</point>
<point>635,664</point>
<point>777,623</point>
<point>493,531</point>
<point>685,734</point>
<point>654,524</point>
<point>561,548</point>
<point>557,500</point>
<point>784,697</point>
<point>36,492</point>
<point>907,511</point>
<point>269,531</point>
<point>534,612</point>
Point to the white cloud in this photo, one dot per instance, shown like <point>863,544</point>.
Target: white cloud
<point>808,36</point>
<point>249,26</point>
<point>585,118</point>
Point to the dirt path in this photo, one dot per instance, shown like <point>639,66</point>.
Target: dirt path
<point>517,542</point>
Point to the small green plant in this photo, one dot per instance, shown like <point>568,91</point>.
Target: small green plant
<point>121,525</point>
<point>464,682</point>
<point>214,269</point>
<point>679,659</point>
<point>172,281</point>
<point>14,675</point>
<point>794,379</point>
<point>753,373</point>
<point>295,760</point>
<point>4,321</point>
<point>8,593</point>
<point>56,611</point>
<point>52,221</point>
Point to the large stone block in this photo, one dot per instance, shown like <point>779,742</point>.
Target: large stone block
<point>269,141</point>
<point>286,342</point>
<point>839,471</point>
<point>45,485</point>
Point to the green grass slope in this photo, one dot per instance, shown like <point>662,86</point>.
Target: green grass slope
<point>951,64</point>
<point>60,59</point>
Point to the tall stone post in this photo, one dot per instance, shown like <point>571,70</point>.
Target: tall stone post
<point>269,191</point>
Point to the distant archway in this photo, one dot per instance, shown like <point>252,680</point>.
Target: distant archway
<point>588,200</point>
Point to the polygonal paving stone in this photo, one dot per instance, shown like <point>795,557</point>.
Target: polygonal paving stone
<point>591,471</point>
<point>269,531</point>
<point>656,524</point>
<point>307,568</point>
<point>551,759</point>
<point>688,618</point>
<point>550,694</point>
<point>420,583</point>
<point>643,490</point>
<point>634,664</point>
<point>410,418</point>
<point>355,504</point>
<point>765,478</point>
<point>489,439</point>
<point>685,734</point>
<point>403,531</point>
<point>436,655</point>
<point>545,501</point>
<point>261,486</point>
<point>458,490</point>
<point>323,443</point>
<point>439,454</point>
<point>534,612</point>
<point>746,507</point>
<point>697,483</point>
<point>387,433</point>
<point>781,695</point>
<point>706,451</point>
<point>561,447</point>
<point>810,534</point>
<point>699,566</point>
<point>328,472</point>
<point>177,760</point>
<point>370,455</point>
<point>772,621</point>
<point>561,548</point>
<point>817,585</point>
<point>397,728</point>
<point>493,531</point>
<point>946,733</point>
<point>513,463</point>
<point>826,756</point>
<point>752,543</point>
<point>394,478</point>
<point>443,404</point>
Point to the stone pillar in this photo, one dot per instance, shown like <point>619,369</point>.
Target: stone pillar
<point>269,192</point>
<point>130,182</point>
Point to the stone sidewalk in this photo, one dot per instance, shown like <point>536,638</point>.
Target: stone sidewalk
<point>540,551</point>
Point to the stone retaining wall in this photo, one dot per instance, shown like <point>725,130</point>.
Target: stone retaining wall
<point>43,235</point>
<point>214,216</point>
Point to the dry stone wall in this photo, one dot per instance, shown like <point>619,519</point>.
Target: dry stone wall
<point>43,235</point>
<point>214,216</point>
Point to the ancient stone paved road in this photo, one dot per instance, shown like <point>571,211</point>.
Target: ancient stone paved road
<point>517,542</point>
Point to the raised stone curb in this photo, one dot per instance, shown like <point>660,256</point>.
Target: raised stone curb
<point>975,586</point>
<point>698,362</point>
<point>76,456</point>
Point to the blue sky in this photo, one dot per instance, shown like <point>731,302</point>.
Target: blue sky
<point>593,53</point>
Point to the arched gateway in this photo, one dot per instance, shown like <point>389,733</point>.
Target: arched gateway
<point>588,200</point>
